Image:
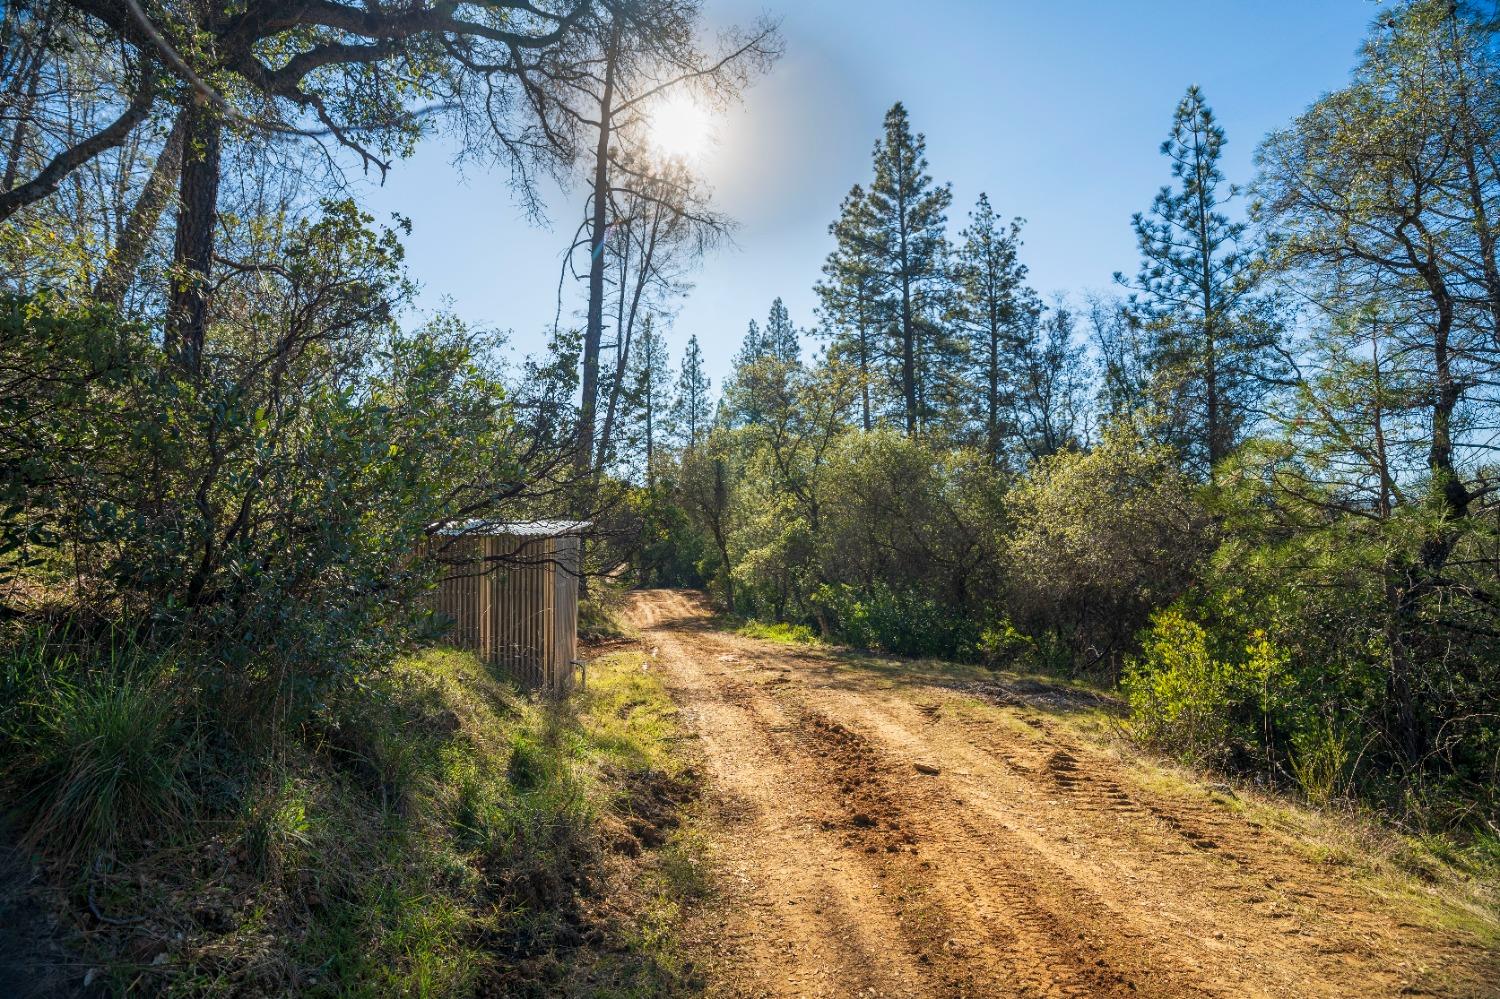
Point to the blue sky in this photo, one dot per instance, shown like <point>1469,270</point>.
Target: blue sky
<point>1056,110</point>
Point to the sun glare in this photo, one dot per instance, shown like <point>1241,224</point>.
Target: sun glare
<point>681,127</point>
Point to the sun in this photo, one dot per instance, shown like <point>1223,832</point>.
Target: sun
<point>681,127</point>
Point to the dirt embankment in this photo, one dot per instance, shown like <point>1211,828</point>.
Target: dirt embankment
<point>880,836</point>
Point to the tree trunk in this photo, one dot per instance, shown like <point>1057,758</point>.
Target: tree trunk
<point>908,333</point>
<point>992,416</point>
<point>1216,445</point>
<point>623,333</point>
<point>1455,494</point>
<point>908,357</point>
<point>593,334</point>
<point>1217,436</point>
<point>864,358</point>
<point>864,377</point>
<point>193,249</point>
<point>625,330</point>
<point>650,428</point>
<point>130,248</point>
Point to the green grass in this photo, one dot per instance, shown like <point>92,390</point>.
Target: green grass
<point>431,833</point>
<point>632,732</point>
<point>629,720</point>
<point>777,631</point>
<point>98,749</point>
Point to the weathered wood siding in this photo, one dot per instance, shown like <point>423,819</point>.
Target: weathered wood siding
<point>514,602</point>
<point>565,599</point>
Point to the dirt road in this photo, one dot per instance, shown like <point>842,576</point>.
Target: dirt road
<point>883,835</point>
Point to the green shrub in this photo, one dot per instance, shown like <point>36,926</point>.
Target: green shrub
<point>1321,760</point>
<point>896,621</point>
<point>670,548</point>
<point>1177,691</point>
<point>1102,539</point>
<point>1193,698</point>
<point>100,747</point>
<point>1001,644</point>
<point>260,514</point>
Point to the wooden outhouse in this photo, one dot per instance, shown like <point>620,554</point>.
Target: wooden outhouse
<point>509,592</point>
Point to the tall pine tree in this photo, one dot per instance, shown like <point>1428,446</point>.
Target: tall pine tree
<point>907,220</point>
<point>780,340</point>
<point>1209,345</point>
<point>692,409</point>
<point>998,314</point>
<point>850,293</point>
<point>648,388</point>
<point>768,360</point>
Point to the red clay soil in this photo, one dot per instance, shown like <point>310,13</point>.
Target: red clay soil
<point>878,837</point>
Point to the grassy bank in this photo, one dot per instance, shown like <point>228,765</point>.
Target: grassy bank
<point>433,833</point>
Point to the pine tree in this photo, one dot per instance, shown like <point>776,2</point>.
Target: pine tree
<point>907,223</point>
<point>1208,347</point>
<point>998,312</point>
<point>852,306</point>
<point>692,411</point>
<point>647,391</point>
<point>766,361</point>
<point>738,406</point>
<point>780,340</point>
<point>752,348</point>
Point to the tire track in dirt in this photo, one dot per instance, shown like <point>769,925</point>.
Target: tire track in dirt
<point>803,920</point>
<point>1027,865</point>
<point>1150,863</point>
<point>1281,924</point>
<point>993,912</point>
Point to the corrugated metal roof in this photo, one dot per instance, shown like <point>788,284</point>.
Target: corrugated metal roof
<point>518,528</point>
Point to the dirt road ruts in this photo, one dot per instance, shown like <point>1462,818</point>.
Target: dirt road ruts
<point>879,837</point>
